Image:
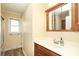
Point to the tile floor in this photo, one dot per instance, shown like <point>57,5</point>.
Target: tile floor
<point>15,52</point>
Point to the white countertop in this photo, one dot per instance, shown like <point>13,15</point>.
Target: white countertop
<point>69,48</point>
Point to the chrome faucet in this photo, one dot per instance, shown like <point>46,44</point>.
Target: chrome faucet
<point>61,42</point>
<point>56,41</point>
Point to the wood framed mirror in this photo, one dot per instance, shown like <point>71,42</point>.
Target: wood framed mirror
<point>62,17</point>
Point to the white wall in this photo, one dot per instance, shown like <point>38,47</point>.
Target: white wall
<point>10,41</point>
<point>39,20</point>
<point>28,46</point>
<point>30,23</point>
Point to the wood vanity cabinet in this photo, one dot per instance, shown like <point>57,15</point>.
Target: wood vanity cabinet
<point>42,51</point>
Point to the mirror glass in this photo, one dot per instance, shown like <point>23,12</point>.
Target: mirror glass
<point>60,18</point>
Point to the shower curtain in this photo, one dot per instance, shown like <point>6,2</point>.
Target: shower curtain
<point>1,36</point>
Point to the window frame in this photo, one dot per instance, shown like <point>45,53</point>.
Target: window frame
<point>9,27</point>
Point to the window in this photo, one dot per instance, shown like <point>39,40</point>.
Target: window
<point>14,25</point>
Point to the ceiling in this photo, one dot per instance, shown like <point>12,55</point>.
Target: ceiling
<point>15,7</point>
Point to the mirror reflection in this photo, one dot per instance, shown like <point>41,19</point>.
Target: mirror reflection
<point>60,18</point>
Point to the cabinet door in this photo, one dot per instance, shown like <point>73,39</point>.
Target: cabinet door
<point>38,51</point>
<point>35,50</point>
<point>75,13</point>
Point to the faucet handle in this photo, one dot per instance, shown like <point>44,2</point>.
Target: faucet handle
<point>56,41</point>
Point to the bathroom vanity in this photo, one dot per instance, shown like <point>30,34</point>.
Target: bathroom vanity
<point>46,47</point>
<point>42,51</point>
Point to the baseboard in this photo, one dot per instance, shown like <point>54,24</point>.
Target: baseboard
<point>24,53</point>
<point>13,48</point>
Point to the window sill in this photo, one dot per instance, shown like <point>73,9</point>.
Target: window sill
<point>14,33</point>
